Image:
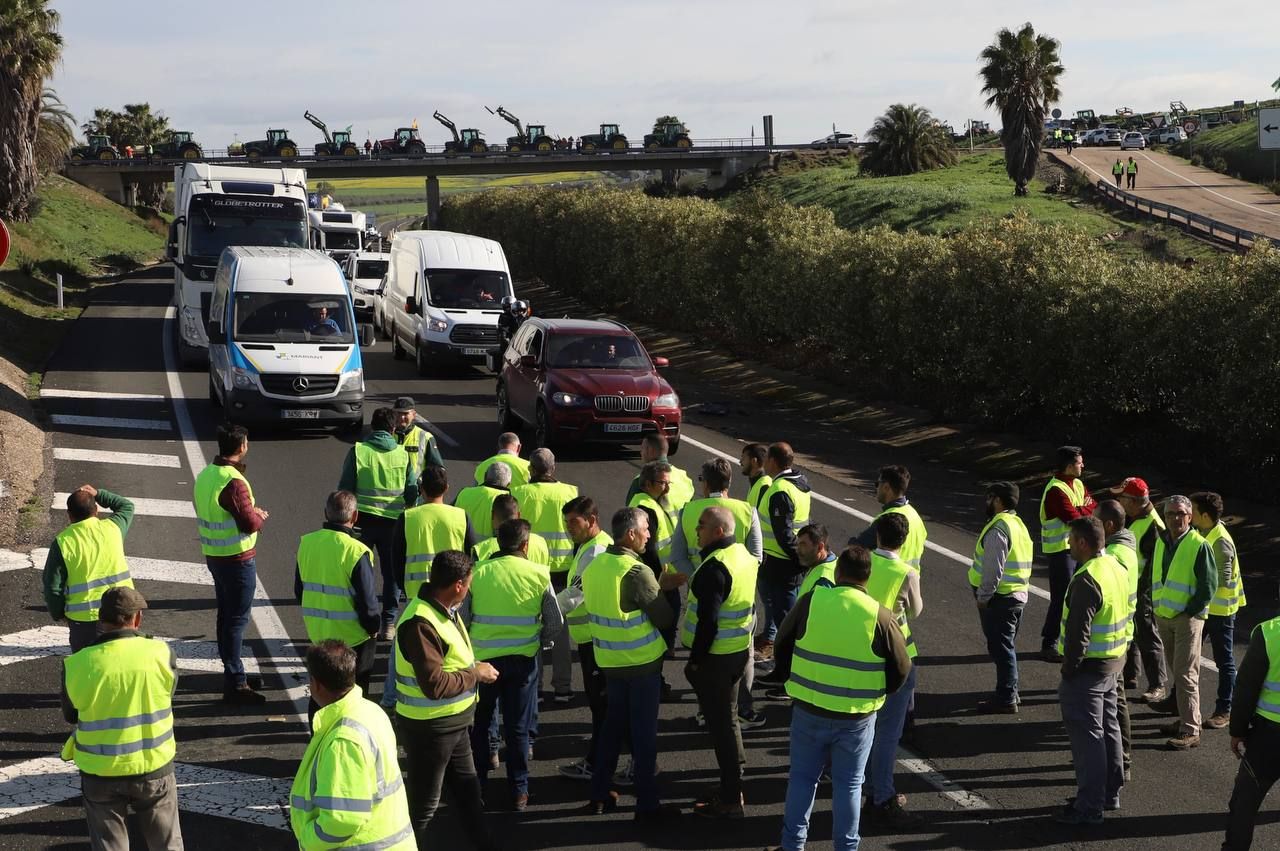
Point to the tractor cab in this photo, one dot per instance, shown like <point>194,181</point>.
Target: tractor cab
<point>275,137</point>
<point>608,131</point>
<point>97,142</point>
<point>341,138</point>
<point>469,136</point>
<point>180,137</point>
<point>404,134</point>
<point>535,131</point>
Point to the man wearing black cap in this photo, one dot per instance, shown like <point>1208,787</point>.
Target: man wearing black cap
<point>1000,576</point>
<point>411,433</point>
<point>118,692</point>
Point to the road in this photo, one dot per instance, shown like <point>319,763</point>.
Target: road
<point>977,782</point>
<point>1172,180</point>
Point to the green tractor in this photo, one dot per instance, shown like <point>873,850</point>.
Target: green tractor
<point>96,147</point>
<point>277,144</point>
<point>531,138</point>
<point>609,138</point>
<point>468,141</point>
<point>336,144</point>
<point>179,145</point>
<point>670,134</point>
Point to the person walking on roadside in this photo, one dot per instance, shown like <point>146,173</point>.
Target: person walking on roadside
<point>891,493</point>
<point>786,504</point>
<point>718,631</point>
<point>86,559</point>
<point>1184,578</point>
<point>542,500</point>
<point>412,434</point>
<point>510,614</point>
<point>1123,547</point>
<point>477,500</point>
<point>118,691</point>
<point>1094,617</point>
<point>509,456</point>
<point>752,465</point>
<point>1146,525</point>
<point>229,520</point>
<point>1065,500</point>
<point>1131,174</point>
<point>1255,732</point>
<point>380,473</point>
<point>368,148</point>
<point>506,508</point>
<point>1117,171</point>
<point>337,587</point>
<point>1000,577</point>
<point>438,676</point>
<point>348,791</point>
<point>1070,138</point>
<point>653,447</point>
<point>840,654</point>
<point>1220,625</point>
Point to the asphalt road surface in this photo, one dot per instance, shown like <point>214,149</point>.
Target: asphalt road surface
<point>976,782</point>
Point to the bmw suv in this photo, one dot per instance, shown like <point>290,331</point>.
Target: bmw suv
<point>584,381</point>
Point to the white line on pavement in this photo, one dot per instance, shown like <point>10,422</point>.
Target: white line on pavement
<point>143,506</point>
<point>55,393</point>
<point>52,640</point>
<point>1248,206</point>
<point>140,459</point>
<point>110,422</point>
<point>150,569</point>
<point>939,781</point>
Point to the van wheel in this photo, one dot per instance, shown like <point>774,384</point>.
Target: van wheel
<point>213,394</point>
<point>397,353</point>
<point>507,421</point>
<point>424,366</point>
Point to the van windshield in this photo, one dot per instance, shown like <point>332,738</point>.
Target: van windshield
<point>215,221</point>
<point>342,240</point>
<point>292,318</point>
<point>466,289</point>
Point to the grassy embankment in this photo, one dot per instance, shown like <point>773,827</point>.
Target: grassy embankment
<point>85,237</point>
<point>391,197</point>
<point>1233,149</point>
<point>974,190</point>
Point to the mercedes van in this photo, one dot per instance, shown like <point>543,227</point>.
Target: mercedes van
<point>443,297</point>
<point>284,345</point>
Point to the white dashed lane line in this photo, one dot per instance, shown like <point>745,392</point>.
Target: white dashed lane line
<point>100,456</point>
<point>128,423</point>
<point>55,393</point>
<point>145,507</point>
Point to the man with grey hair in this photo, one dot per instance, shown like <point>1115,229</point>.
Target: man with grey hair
<point>508,456</point>
<point>337,587</point>
<point>1184,577</point>
<point>477,500</point>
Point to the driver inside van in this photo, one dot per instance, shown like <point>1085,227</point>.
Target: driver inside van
<point>322,325</point>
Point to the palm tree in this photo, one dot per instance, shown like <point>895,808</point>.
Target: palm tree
<point>56,132</point>
<point>1020,77</point>
<point>29,50</point>
<point>905,140</point>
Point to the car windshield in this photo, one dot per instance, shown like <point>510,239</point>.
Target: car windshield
<point>595,351</point>
<point>292,318</point>
<point>215,221</point>
<point>466,289</point>
<point>371,268</point>
<point>342,240</point>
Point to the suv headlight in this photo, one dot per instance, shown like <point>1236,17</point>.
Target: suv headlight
<point>568,400</point>
<point>244,379</point>
<point>353,380</point>
<point>437,325</point>
<point>667,400</point>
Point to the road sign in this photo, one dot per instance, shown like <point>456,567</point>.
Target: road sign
<point>4,243</point>
<point>1269,129</point>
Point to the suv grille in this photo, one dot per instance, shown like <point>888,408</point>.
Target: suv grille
<point>284,385</point>
<point>474,335</point>
<point>620,404</point>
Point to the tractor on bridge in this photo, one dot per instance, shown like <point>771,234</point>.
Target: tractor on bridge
<point>531,138</point>
<point>468,141</point>
<point>609,137</point>
<point>179,145</point>
<point>277,144</point>
<point>408,140</point>
<point>669,134</point>
<point>96,147</point>
<point>337,145</point>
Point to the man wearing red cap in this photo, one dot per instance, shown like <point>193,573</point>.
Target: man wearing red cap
<point>1065,500</point>
<point>1146,525</point>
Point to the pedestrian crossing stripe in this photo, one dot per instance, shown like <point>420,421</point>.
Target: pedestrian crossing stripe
<point>52,640</point>
<point>144,507</point>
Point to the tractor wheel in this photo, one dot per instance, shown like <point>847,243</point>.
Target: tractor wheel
<point>351,151</point>
<point>191,152</point>
<point>288,151</point>
<point>619,144</point>
<point>415,149</point>
<point>253,154</point>
<point>684,142</point>
<point>106,154</point>
<point>76,157</point>
<point>544,145</point>
<point>588,147</point>
<point>479,148</point>
<point>513,149</point>
<point>652,146</point>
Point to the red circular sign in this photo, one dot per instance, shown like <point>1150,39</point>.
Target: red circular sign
<point>4,243</point>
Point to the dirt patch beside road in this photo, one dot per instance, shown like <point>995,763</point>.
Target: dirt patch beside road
<point>23,447</point>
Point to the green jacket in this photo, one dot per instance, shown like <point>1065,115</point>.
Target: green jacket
<point>55,569</point>
<point>383,441</point>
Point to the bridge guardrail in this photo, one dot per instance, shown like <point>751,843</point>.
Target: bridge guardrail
<point>1189,221</point>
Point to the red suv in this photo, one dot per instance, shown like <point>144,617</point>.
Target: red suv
<point>580,381</point>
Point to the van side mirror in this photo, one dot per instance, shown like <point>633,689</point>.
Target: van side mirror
<point>661,362</point>
<point>410,305</point>
<point>171,245</point>
<point>529,361</point>
<point>365,332</point>
<point>214,332</point>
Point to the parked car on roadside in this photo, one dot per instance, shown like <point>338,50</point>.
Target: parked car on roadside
<point>1094,137</point>
<point>1113,137</point>
<point>1133,141</point>
<point>1171,135</point>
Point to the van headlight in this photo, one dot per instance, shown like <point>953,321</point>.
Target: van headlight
<point>667,400</point>
<point>437,325</point>
<point>191,324</point>
<point>244,379</point>
<point>353,380</point>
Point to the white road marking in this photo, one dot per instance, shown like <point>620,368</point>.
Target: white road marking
<point>140,459</point>
<point>926,772</point>
<point>111,422</point>
<point>52,640</point>
<point>55,393</point>
<point>1245,204</point>
<point>150,569</point>
<point>145,507</point>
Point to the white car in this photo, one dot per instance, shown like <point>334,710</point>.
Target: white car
<point>1133,141</point>
<point>1096,136</point>
<point>366,271</point>
<point>1171,135</point>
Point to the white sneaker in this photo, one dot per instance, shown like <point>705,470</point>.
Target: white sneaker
<point>626,775</point>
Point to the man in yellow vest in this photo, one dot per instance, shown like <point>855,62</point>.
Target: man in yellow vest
<point>653,447</point>
<point>840,653</point>
<point>1131,174</point>
<point>1093,638</point>
<point>1123,546</point>
<point>713,489</point>
<point>510,614</point>
<point>1064,500</point>
<point>1255,732</point>
<point>228,519</point>
<point>508,456</point>
<point>337,588</point>
<point>1000,577</point>
<point>542,501</point>
<point>438,676</point>
<point>1220,625</point>
<point>627,612</point>
<point>1146,525</point>
<point>785,506</point>
<point>891,492</point>
<point>1117,171</point>
<point>1184,579</point>
<point>718,630</point>
<point>85,560</point>
<point>381,475</point>
<point>655,483</point>
<point>506,508</point>
<point>348,791</point>
<point>752,466</point>
<point>411,433</point>
<point>477,500</point>
<point>118,692</point>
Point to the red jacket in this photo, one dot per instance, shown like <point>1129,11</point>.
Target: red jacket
<point>1058,505</point>
<point>235,500</point>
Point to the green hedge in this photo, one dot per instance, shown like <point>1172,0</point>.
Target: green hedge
<point>1010,323</point>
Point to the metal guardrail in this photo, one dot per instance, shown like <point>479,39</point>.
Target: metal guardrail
<point>1187,219</point>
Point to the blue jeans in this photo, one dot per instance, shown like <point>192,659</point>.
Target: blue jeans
<point>1221,630</point>
<point>377,534</point>
<point>815,741</point>
<point>233,586</point>
<point>779,597</point>
<point>389,691</point>
<point>1092,719</point>
<point>1000,621</point>
<point>516,690</point>
<point>884,750</point>
<point>632,705</point>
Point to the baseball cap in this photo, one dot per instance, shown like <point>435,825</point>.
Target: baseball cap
<point>404,404</point>
<point>1132,486</point>
<point>120,603</point>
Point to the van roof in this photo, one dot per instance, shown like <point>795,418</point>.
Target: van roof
<point>266,268</point>
<point>443,249</point>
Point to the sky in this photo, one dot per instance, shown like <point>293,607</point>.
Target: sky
<point>231,69</point>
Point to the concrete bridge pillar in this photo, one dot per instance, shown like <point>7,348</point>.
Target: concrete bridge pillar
<point>433,202</point>
<point>106,181</point>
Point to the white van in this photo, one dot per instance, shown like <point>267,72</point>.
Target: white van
<point>443,297</point>
<point>283,340</point>
<point>365,270</point>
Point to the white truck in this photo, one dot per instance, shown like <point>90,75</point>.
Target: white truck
<point>338,232</point>
<point>220,206</point>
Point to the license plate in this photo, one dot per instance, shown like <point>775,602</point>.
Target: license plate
<point>300,414</point>
<point>625,428</point>
<point>475,352</point>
